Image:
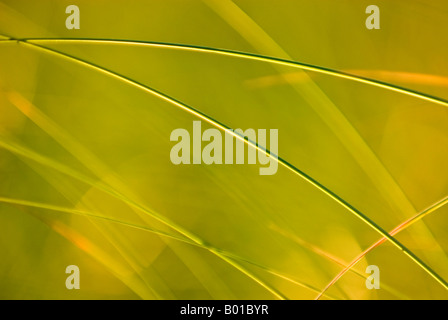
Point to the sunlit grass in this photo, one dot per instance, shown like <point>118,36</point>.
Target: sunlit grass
<point>210,232</point>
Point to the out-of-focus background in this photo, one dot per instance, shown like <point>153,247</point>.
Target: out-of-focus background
<point>86,177</point>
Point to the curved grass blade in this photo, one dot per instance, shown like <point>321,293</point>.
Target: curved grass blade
<point>95,165</point>
<point>284,163</point>
<point>19,202</point>
<point>249,56</point>
<point>396,230</point>
<point>21,151</point>
<point>238,19</point>
<point>379,175</point>
<point>328,256</point>
<point>116,268</point>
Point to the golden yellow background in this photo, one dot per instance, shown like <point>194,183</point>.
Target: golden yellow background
<point>86,177</point>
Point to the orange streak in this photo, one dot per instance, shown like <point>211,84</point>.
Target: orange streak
<point>396,230</point>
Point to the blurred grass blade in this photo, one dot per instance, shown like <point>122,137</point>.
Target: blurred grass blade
<point>286,164</point>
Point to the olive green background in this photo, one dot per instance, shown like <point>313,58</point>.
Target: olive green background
<point>76,141</point>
